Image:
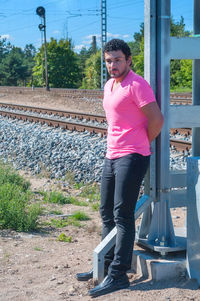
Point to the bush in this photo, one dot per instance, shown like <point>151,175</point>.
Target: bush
<point>16,212</point>
<point>8,175</point>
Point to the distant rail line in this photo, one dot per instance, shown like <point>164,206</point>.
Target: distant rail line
<point>179,145</point>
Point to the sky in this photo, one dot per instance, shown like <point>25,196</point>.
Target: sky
<point>78,20</point>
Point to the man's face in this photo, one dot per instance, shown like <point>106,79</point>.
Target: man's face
<point>116,63</point>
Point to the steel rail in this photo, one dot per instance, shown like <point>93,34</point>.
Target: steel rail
<point>61,113</point>
<point>72,126</point>
<point>180,145</point>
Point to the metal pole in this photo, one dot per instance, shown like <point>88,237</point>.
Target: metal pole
<point>103,41</point>
<point>195,82</point>
<point>45,53</point>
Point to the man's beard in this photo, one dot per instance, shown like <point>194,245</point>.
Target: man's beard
<point>113,75</point>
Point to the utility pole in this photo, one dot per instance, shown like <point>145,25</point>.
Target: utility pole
<point>103,41</point>
<point>40,11</point>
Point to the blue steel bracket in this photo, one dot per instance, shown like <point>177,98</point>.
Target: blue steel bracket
<point>109,241</point>
<point>161,237</point>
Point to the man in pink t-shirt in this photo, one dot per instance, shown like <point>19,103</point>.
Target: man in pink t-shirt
<point>134,121</point>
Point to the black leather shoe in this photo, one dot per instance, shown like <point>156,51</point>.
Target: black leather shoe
<point>84,276</point>
<point>109,285</point>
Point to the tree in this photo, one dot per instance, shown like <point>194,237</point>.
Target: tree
<point>63,69</point>
<point>138,38</point>
<point>177,67</point>
<point>85,54</point>
<point>13,70</point>
<point>29,55</point>
<point>92,79</point>
<point>177,77</point>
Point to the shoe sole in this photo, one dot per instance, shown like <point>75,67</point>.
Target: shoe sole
<point>83,279</point>
<point>108,290</point>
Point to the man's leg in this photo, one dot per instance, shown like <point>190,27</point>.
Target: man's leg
<point>106,211</point>
<point>129,173</point>
<point>107,206</point>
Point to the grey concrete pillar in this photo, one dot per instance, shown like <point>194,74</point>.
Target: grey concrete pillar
<point>193,217</point>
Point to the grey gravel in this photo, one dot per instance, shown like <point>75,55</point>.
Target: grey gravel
<point>36,147</point>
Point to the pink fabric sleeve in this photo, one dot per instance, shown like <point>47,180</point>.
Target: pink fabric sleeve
<point>143,93</point>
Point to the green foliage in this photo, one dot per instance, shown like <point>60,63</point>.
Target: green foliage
<point>91,191</point>
<point>62,62</point>
<point>135,45</point>
<point>80,216</point>
<point>64,238</point>
<point>138,60</point>
<point>180,70</point>
<point>16,212</point>
<point>58,198</point>
<point>8,175</point>
<point>178,28</point>
<point>78,185</point>
<point>95,206</point>
<point>92,79</point>
<point>55,212</point>
<point>37,248</point>
<point>58,223</point>
<point>13,70</point>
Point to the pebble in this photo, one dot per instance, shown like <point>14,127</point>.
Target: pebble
<point>36,148</point>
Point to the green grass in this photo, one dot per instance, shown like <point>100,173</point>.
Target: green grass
<point>180,90</point>
<point>37,248</point>
<point>55,212</point>
<point>9,175</point>
<point>80,216</point>
<point>57,223</point>
<point>73,220</point>
<point>64,238</point>
<point>58,198</point>
<point>95,206</point>
<point>91,191</point>
<point>16,210</point>
<point>78,185</point>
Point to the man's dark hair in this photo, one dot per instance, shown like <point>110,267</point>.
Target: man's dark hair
<point>117,44</point>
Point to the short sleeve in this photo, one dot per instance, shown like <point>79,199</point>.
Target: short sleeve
<point>143,93</point>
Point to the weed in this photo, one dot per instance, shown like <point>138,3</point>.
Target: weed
<point>79,203</point>
<point>16,212</point>
<point>55,212</point>
<point>91,191</point>
<point>37,249</point>
<point>73,222</point>
<point>58,223</point>
<point>64,238</point>
<point>8,175</point>
<point>95,206</point>
<point>80,216</point>
<point>78,185</point>
<point>70,177</point>
<point>57,198</point>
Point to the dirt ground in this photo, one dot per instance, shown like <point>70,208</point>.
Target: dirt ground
<point>36,266</point>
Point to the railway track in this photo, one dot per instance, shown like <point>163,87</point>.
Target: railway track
<point>179,145</point>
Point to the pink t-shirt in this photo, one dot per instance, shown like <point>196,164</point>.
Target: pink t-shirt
<point>127,125</point>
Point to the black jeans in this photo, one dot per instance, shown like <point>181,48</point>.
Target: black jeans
<point>120,185</point>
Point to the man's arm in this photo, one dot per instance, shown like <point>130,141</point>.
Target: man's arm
<point>155,119</point>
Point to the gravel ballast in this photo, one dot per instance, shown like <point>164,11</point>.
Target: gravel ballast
<point>35,147</point>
